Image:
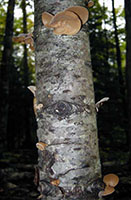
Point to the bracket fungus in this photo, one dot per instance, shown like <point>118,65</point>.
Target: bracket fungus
<point>81,12</point>
<point>108,190</point>
<point>41,145</point>
<point>55,182</point>
<point>67,22</point>
<point>32,88</point>
<point>35,105</point>
<point>46,18</point>
<point>110,180</point>
<point>100,103</point>
<point>89,3</point>
<point>25,38</point>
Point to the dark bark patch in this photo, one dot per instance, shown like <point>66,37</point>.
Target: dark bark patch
<point>66,91</point>
<point>57,75</point>
<point>88,63</point>
<point>77,149</point>
<point>52,130</point>
<point>63,109</point>
<point>47,189</point>
<point>77,76</point>
<point>95,187</point>
<point>73,98</point>
<point>48,161</point>
<point>60,109</point>
<point>40,116</point>
<point>90,192</point>
<point>86,166</point>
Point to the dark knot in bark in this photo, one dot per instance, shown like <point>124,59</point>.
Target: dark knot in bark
<point>62,108</point>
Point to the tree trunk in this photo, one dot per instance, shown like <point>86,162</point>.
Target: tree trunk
<point>25,60</point>
<point>6,69</point>
<point>128,66</point>
<point>118,54</point>
<point>120,75</point>
<point>69,166</point>
<point>25,66</point>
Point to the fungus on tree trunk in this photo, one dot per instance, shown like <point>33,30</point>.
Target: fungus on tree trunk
<point>46,19</point>
<point>81,12</point>
<point>89,3</point>
<point>67,22</point>
<point>41,146</point>
<point>110,180</point>
<point>25,38</point>
<point>35,105</point>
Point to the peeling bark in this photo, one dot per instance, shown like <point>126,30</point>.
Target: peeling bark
<point>67,120</point>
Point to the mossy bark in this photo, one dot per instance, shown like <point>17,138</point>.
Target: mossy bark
<point>67,121</point>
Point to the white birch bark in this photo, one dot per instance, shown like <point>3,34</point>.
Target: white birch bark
<point>67,120</point>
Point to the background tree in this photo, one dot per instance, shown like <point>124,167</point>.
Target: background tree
<point>25,59</point>
<point>128,66</point>
<point>106,80</point>
<point>70,164</point>
<point>118,54</point>
<point>6,69</point>
<point>26,80</point>
<point>18,122</point>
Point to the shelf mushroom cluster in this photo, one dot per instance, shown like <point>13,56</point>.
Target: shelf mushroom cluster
<point>25,38</point>
<point>110,180</point>
<point>67,22</point>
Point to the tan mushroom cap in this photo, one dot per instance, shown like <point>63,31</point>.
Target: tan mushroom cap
<point>82,13</point>
<point>32,88</point>
<point>111,180</point>
<point>32,47</point>
<point>90,4</point>
<point>46,18</point>
<point>55,182</point>
<point>108,190</point>
<point>41,145</point>
<point>19,38</point>
<point>65,22</point>
<point>34,105</point>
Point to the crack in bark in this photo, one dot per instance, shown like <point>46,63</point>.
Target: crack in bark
<point>67,143</point>
<point>86,166</point>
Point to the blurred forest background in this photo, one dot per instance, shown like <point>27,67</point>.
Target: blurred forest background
<point>18,154</point>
